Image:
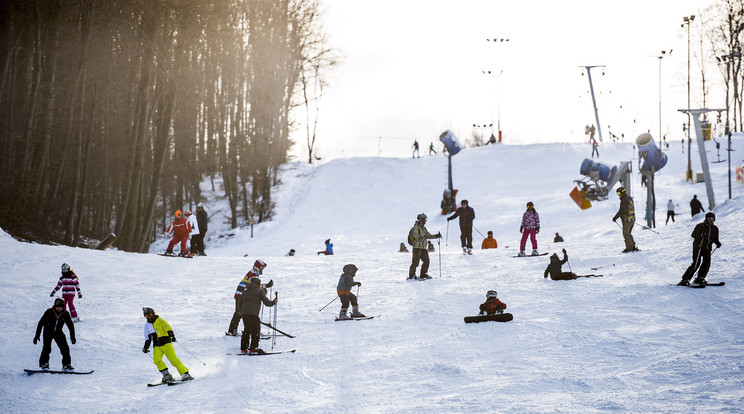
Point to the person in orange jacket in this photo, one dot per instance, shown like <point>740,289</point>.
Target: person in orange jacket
<point>489,242</point>
<point>181,228</point>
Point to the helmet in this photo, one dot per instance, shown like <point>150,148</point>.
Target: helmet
<point>65,267</point>
<point>421,217</point>
<point>255,280</point>
<point>200,205</point>
<point>146,311</point>
<point>491,294</point>
<point>59,302</point>
<point>259,264</point>
<point>710,215</point>
<point>187,213</point>
<point>620,191</point>
<point>529,204</point>
<point>178,213</point>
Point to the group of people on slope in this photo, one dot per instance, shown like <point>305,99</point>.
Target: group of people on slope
<point>187,225</point>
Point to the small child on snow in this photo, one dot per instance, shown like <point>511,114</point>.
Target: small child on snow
<point>329,248</point>
<point>69,284</point>
<point>492,305</point>
<point>345,283</point>
<point>52,322</point>
<point>160,334</point>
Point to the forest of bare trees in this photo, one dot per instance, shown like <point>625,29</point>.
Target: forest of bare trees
<point>112,112</point>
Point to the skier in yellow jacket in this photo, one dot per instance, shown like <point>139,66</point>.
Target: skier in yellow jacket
<point>160,334</point>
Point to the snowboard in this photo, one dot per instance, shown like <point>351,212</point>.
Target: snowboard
<point>532,255</point>
<point>267,353</point>
<point>356,319</point>
<point>49,371</point>
<point>188,256</point>
<point>503,317</point>
<point>694,286</point>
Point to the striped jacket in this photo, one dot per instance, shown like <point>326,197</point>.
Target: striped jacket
<point>243,283</point>
<point>69,284</point>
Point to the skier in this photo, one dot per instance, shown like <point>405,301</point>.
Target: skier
<point>250,306</point>
<point>595,147</point>
<point>180,229</point>
<point>258,267</point>
<point>403,248</point>
<point>431,148</point>
<point>329,248</point>
<point>530,227</point>
<point>555,268</point>
<point>345,283</point>
<point>415,147</point>
<point>557,238</point>
<point>419,235</point>
<point>160,334</point>
<point>670,212</point>
<point>489,242</point>
<point>627,213</point>
<point>492,305</point>
<point>695,205</point>
<point>705,235</point>
<point>202,219</point>
<point>467,215</point>
<point>194,233</point>
<point>52,322</point>
<point>69,284</point>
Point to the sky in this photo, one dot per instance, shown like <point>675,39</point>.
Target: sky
<point>412,69</point>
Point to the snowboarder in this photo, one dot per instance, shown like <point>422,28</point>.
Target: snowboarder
<point>160,334</point>
<point>197,240</point>
<point>431,148</point>
<point>329,248</point>
<point>627,213</point>
<point>530,227</point>
<point>695,205</point>
<point>489,242</point>
<point>403,248</point>
<point>69,284</point>
<point>555,268</point>
<point>258,267</point>
<point>345,283</point>
<point>705,235</point>
<point>419,235</point>
<point>670,212</point>
<point>415,147</point>
<point>467,215</point>
<point>250,307</point>
<point>180,229</point>
<point>557,238</point>
<point>492,305</point>
<point>52,322</point>
<point>194,229</point>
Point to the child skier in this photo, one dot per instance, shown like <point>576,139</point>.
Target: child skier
<point>258,267</point>
<point>555,268</point>
<point>345,283</point>
<point>250,306</point>
<point>492,305</point>
<point>69,284</point>
<point>530,227</point>
<point>160,334</point>
<point>52,321</point>
<point>180,229</point>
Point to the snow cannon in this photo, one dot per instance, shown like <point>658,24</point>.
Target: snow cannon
<point>596,170</point>
<point>450,142</point>
<point>653,158</point>
<point>594,185</point>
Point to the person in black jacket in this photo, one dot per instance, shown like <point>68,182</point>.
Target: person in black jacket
<point>705,235</point>
<point>555,268</point>
<point>197,240</point>
<point>695,205</point>
<point>250,307</point>
<point>52,322</point>
<point>467,215</point>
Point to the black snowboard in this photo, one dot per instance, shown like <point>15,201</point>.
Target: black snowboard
<point>49,371</point>
<point>532,255</point>
<point>503,317</point>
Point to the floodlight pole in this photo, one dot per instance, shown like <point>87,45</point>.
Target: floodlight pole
<point>594,101</point>
<point>695,113</point>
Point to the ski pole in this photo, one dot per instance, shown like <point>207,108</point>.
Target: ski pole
<point>192,354</point>
<point>439,247</point>
<point>479,232</point>
<point>446,237</point>
<point>357,295</point>
<point>567,262</point>
<point>328,304</point>
<point>646,228</point>
<point>602,267</point>
<point>273,340</point>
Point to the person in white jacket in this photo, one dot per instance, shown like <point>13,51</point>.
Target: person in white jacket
<point>194,226</point>
<point>670,212</point>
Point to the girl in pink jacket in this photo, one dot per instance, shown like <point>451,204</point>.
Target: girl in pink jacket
<point>69,284</point>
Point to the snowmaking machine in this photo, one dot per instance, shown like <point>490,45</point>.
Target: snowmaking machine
<point>452,145</point>
<point>597,181</point>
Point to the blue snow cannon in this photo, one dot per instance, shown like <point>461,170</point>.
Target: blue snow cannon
<point>601,171</point>
<point>652,156</point>
<point>450,142</point>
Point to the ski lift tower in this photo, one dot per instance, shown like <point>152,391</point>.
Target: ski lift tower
<point>594,101</point>
<point>695,113</point>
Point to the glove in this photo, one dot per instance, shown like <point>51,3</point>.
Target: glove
<point>521,229</point>
<point>36,339</point>
<point>145,350</point>
<point>172,336</point>
<point>449,219</point>
<point>537,230</point>
<point>614,219</point>
<point>270,284</point>
<point>80,295</point>
<point>439,235</point>
<point>51,295</point>
<point>718,244</point>
<point>564,251</point>
<point>73,340</point>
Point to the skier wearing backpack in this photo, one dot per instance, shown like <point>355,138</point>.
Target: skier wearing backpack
<point>69,284</point>
<point>52,322</point>
<point>343,289</point>
<point>705,235</point>
<point>250,306</point>
<point>160,334</point>
<point>555,269</point>
<point>466,215</point>
<point>530,227</point>
<point>418,236</point>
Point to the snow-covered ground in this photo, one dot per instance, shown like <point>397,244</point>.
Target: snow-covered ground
<point>628,341</point>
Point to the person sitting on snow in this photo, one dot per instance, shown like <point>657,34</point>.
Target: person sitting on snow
<point>329,248</point>
<point>555,268</point>
<point>492,305</point>
<point>489,242</point>
<point>403,248</point>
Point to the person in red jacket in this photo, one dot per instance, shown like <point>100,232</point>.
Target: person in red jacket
<point>180,229</point>
<point>492,305</point>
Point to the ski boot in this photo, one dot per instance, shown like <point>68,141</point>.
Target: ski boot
<point>355,313</point>
<point>68,367</point>
<point>166,376</point>
<point>535,253</point>
<point>168,253</point>
<point>684,282</point>
<point>464,250</point>
<point>243,351</point>
<point>257,351</point>
<point>76,319</point>
<point>470,251</point>
<point>186,376</point>
<point>521,253</point>
<point>699,281</point>
<point>232,333</point>
<point>424,277</point>
<point>342,316</point>
<point>44,365</point>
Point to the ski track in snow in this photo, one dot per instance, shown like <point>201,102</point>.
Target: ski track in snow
<point>629,341</point>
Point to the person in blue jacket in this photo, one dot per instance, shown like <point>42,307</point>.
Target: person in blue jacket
<point>345,283</point>
<point>467,215</point>
<point>329,248</point>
